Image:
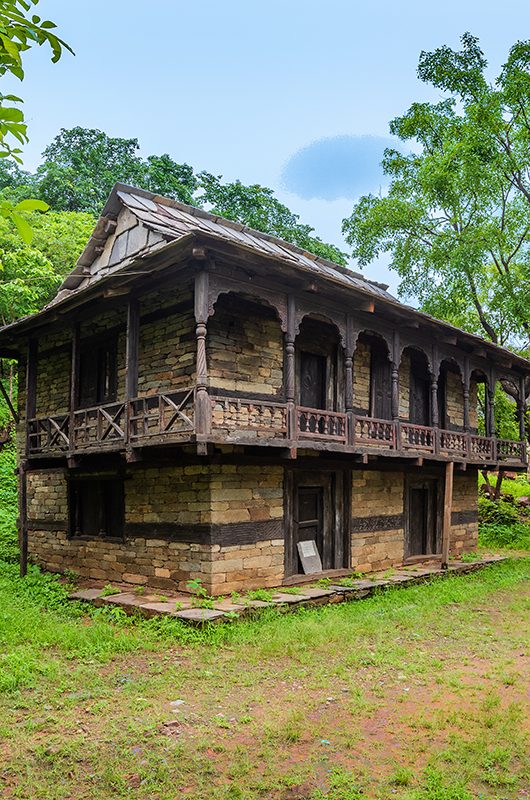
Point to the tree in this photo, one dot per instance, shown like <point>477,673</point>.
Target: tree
<point>257,207</point>
<point>456,216</point>
<point>19,31</point>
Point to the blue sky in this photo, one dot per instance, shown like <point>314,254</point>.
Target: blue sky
<point>295,95</point>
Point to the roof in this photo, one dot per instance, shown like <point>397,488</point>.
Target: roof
<point>136,224</point>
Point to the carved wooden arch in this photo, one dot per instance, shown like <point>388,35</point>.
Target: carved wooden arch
<point>413,346</point>
<point>444,359</point>
<point>321,315</point>
<point>382,336</point>
<point>219,285</point>
<point>480,371</point>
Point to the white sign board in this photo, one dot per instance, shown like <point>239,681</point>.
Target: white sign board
<point>310,557</point>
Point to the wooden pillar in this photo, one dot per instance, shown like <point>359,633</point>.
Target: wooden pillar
<point>466,385</point>
<point>203,410</point>
<point>31,386</point>
<point>396,357</point>
<point>348,364</point>
<point>435,420</point>
<point>448,508</point>
<point>489,410</point>
<point>521,409</point>
<point>74,383</point>
<point>23,517</point>
<point>131,360</point>
<point>290,367</point>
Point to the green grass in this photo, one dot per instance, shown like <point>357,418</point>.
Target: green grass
<point>306,705</point>
<point>8,504</point>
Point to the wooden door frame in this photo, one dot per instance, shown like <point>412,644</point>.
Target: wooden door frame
<point>336,512</point>
<point>410,480</point>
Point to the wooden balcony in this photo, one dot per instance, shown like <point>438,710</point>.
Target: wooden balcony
<point>169,418</point>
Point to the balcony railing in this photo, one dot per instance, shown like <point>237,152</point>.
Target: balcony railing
<point>170,417</point>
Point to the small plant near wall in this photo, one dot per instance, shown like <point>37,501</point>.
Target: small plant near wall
<point>263,595</point>
<point>109,589</point>
<point>202,598</point>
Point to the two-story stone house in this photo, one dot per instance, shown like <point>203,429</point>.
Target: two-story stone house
<point>200,399</point>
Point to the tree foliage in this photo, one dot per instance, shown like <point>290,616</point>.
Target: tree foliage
<point>456,216</point>
<point>81,166</point>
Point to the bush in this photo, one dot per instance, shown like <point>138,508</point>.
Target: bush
<point>515,536</point>
<point>498,512</point>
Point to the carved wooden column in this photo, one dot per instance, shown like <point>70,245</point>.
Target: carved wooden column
<point>203,409</point>
<point>521,409</point>
<point>348,388</point>
<point>31,387</point>
<point>395,376</point>
<point>489,410</point>
<point>132,346</point>
<point>74,384</point>
<point>466,383</point>
<point>290,367</point>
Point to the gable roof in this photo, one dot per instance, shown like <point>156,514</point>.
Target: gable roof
<point>170,220</point>
<point>136,224</point>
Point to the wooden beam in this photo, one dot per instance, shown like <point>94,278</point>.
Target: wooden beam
<point>23,517</point>
<point>448,507</point>
<point>31,386</point>
<point>9,403</point>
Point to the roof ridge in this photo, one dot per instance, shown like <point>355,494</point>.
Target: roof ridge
<point>195,211</point>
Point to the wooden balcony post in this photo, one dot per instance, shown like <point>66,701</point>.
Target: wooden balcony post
<point>31,387</point>
<point>466,395</point>
<point>74,384</point>
<point>348,399</point>
<point>448,508</point>
<point>521,409</point>
<point>23,516</point>
<point>132,346</point>
<point>394,397</point>
<point>489,397</point>
<point>290,368</point>
<point>203,410</point>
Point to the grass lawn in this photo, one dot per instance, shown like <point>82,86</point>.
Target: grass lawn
<point>416,693</point>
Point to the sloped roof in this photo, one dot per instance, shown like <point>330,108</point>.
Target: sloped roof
<point>173,220</point>
<point>136,224</point>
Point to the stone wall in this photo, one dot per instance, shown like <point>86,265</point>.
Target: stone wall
<point>464,520</point>
<point>404,387</point>
<point>377,520</point>
<point>244,348</point>
<point>455,401</point>
<point>167,347</point>
<point>222,524</point>
<point>361,378</point>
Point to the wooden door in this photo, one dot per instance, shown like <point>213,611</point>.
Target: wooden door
<point>380,386</point>
<point>313,380</point>
<point>317,510</point>
<point>423,518</point>
<point>419,411</point>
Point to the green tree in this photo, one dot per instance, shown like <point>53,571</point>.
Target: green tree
<point>257,207</point>
<point>456,216</point>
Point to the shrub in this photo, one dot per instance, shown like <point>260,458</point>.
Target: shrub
<point>515,536</point>
<point>497,512</point>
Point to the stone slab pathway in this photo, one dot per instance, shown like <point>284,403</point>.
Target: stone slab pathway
<point>225,609</point>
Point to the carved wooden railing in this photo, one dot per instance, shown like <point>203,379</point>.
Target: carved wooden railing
<point>374,432</point>
<point>49,434</point>
<point>416,437</point>
<point>507,450</point>
<point>249,418</point>
<point>454,443</point>
<point>162,415</point>
<point>481,448</point>
<point>314,424</point>
<point>99,426</point>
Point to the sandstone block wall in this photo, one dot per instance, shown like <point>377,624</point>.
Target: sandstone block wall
<point>244,348</point>
<point>361,378</point>
<point>166,356</point>
<point>455,401</point>
<point>464,527</point>
<point>377,540</point>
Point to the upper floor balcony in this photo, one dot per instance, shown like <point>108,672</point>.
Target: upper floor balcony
<point>237,370</point>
